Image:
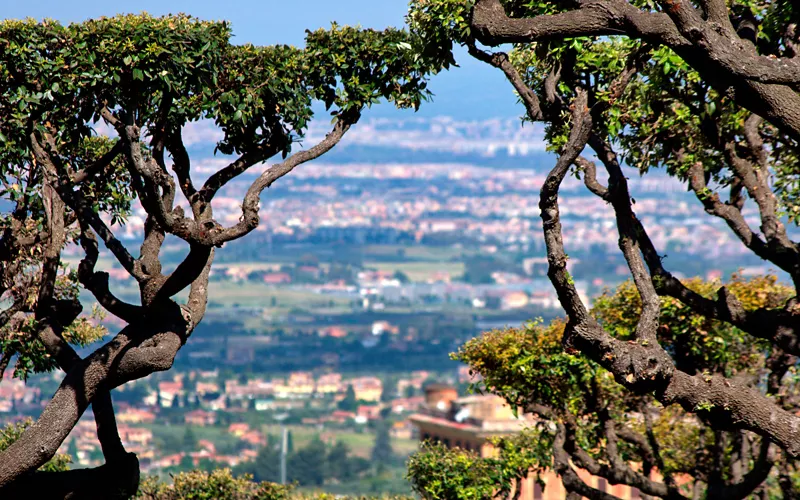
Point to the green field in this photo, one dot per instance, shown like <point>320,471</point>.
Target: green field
<point>249,294</point>
<point>413,253</point>
<point>360,443</point>
<point>420,271</point>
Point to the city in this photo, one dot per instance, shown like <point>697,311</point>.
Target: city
<point>410,249</point>
<point>361,278</point>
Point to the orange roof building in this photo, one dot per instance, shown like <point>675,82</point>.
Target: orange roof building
<point>470,423</point>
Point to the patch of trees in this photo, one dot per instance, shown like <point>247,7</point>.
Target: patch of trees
<point>679,376</point>
<point>313,465</point>
<point>145,78</point>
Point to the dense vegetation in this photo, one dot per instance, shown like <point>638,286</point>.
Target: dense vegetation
<point>695,380</point>
<point>587,419</point>
<point>223,485</point>
<point>145,78</point>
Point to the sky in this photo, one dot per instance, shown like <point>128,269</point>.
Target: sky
<point>473,91</point>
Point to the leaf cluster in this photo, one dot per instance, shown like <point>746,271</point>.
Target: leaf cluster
<point>528,365</point>
<point>697,343</point>
<point>530,369</point>
<point>19,335</point>
<point>438,473</point>
<point>221,484</point>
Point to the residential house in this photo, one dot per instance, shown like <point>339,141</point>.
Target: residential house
<point>514,300</point>
<point>135,415</point>
<point>277,278</point>
<point>381,327</point>
<point>402,430</point>
<point>169,391</point>
<point>330,383</point>
<point>367,388</point>
<point>238,429</point>
<point>470,423</point>
<point>200,417</point>
<point>403,405</point>
<point>336,332</point>
<point>368,412</point>
<point>135,435</point>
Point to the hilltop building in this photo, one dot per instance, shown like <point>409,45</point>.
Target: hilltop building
<point>470,422</point>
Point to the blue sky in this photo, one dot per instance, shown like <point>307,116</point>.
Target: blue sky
<point>472,91</point>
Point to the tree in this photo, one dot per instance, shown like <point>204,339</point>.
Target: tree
<point>586,410</point>
<point>307,465</point>
<point>706,90</point>
<point>389,390</point>
<point>186,463</point>
<point>189,439</point>
<point>338,462</point>
<point>222,485</point>
<point>382,449</point>
<point>349,403</point>
<point>72,450</point>
<point>401,277</point>
<point>219,484</point>
<point>437,472</point>
<point>145,78</point>
<point>11,432</point>
<point>266,466</point>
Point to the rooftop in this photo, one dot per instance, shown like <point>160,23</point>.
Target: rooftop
<point>484,415</point>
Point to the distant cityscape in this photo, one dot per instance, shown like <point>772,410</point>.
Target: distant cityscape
<point>364,273</point>
<point>206,399</point>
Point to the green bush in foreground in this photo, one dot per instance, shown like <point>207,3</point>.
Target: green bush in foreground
<point>223,485</point>
<point>218,485</point>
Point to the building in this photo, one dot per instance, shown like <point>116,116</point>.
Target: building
<point>277,278</point>
<point>368,412</point>
<point>299,385</point>
<point>200,418</point>
<point>330,383</point>
<point>336,332</point>
<point>402,430</point>
<point>367,388</point>
<point>136,416</point>
<point>469,423</point>
<point>514,300</point>
<point>406,405</point>
<point>134,435</point>
<point>381,327</point>
<point>238,429</point>
<point>169,391</point>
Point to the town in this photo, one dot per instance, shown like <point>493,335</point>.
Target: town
<point>210,419</point>
<point>361,280</point>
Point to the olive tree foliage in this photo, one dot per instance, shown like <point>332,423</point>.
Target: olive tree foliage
<point>145,78</point>
<point>708,91</point>
<point>437,472</point>
<point>586,419</point>
<point>219,484</point>
<point>222,485</point>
